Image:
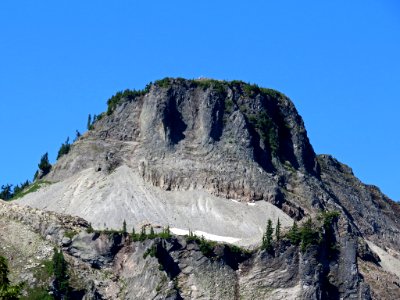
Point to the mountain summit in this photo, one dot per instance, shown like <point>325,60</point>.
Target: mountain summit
<point>219,159</point>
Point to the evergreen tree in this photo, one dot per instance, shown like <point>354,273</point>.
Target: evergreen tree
<point>89,122</point>
<point>152,233</point>
<point>142,235</point>
<point>64,149</point>
<point>6,192</point>
<point>308,235</point>
<point>77,135</point>
<point>294,234</point>
<point>44,164</point>
<point>267,238</point>
<point>124,231</point>
<point>134,235</point>
<point>7,291</point>
<point>278,230</point>
<point>61,283</point>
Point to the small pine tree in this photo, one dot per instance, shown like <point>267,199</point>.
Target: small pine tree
<point>44,164</point>
<point>294,234</point>
<point>152,234</point>
<point>124,231</point>
<point>61,283</point>
<point>308,235</point>
<point>64,149</point>
<point>142,235</point>
<point>134,236</point>
<point>278,230</point>
<point>6,192</point>
<point>267,238</point>
<point>77,135</point>
<point>89,122</point>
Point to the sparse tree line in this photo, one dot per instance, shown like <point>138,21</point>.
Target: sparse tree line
<point>9,191</point>
<point>311,232</point>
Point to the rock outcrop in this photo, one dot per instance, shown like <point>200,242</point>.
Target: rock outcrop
<point>112,266</point>
<point>221,158</point>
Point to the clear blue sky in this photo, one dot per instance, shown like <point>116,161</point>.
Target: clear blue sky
<point>339,61</point>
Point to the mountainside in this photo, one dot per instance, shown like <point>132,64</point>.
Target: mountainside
<point>220,159</point>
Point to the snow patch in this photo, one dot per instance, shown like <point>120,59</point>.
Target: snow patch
<point>206,235</point>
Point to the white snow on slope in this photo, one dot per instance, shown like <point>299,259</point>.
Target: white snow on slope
<point>207,236</point>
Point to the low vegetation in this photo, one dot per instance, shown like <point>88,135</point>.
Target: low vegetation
<point>61,278</point>
<point>7,290</point>
<point>311,232</point>
<point>207,247</point>
<point>64,149</point>
<point>30,189</point>
<point>149,235</point>
<point>44,165</point>
<point>266,128</point>
<point>8,193</point>
<point>126,95</point>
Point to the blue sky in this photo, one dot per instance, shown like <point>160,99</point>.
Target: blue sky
<point>337,60</point>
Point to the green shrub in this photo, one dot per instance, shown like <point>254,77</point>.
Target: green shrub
<point>61,282</point>
<point>266,128</point>
<point>328,217</point>
<point>31,188</point>
<point>207,247</point>
<point>90,229</point>
<point>271,93</point>
<point>18,189</point>
<point>294,235</point>
<point>70,233</point>
<point>44,164</point>
<point>216,85</point>
<point>126,95</point>
<point>251,89</point>
<point>64,149</point>
<point>163,83</point>
<point>152,251</point>
<point>228,106</point>
<point>309,235</point>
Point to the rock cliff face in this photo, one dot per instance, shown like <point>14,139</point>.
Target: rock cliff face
<point>220,158</point>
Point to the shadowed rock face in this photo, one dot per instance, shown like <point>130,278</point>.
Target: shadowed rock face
<point>203,142</point>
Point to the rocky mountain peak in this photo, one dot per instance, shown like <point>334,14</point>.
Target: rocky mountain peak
<point>221,158</point>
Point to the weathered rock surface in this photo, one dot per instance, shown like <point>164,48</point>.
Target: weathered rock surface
<point>110,266</point>
<point>178,154</point>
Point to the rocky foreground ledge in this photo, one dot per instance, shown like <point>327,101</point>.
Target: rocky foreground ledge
<point>109,265</point>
